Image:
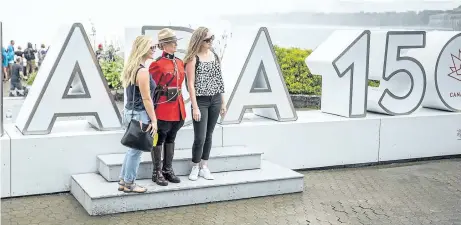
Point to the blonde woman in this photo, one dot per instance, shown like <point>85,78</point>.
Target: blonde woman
<point>206,88</point>
<point>136,79</point>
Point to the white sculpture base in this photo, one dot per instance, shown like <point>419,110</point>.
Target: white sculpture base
<point>319,140</point>
<point>40,164</point>
<point>6,165</point>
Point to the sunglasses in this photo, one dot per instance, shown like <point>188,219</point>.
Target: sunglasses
<point>153,47</point>
<point>210,39</point>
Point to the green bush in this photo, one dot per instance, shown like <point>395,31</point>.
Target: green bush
<point>112,71</point>
<point>373,83</point>
<point>31,78</point>
<point>297,76</point>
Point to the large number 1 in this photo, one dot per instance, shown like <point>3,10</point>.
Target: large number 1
<point>407,91</point>
<point>354,60</point>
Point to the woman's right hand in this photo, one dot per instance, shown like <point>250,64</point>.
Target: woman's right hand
<point>153,128</point>
<point>196,114</point>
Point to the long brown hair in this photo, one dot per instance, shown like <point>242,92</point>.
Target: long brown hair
<point>195,43</point>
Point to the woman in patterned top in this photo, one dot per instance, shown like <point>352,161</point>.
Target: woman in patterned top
<point>206,88</point>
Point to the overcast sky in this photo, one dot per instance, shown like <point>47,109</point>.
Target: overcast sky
<point>37,20</point>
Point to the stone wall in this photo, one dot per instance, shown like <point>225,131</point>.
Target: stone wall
<point>306,101</point>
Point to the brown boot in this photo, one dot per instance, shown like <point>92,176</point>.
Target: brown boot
<point>132,187</point>
<point>157,175</point>
<point>168,172</point>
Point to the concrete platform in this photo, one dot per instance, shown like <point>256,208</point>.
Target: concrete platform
<point>100,197</point>
<point>222,159</point>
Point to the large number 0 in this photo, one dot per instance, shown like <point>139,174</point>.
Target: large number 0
<point>447,76</point>
<point>354,60</point>
<point>403,94</point>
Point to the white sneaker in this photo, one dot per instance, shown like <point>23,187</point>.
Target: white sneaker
<point>205,173</point>
<point>194,173</point>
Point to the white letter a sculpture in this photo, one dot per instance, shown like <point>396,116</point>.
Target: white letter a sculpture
<point>260,86</point>
<point>51,96</point>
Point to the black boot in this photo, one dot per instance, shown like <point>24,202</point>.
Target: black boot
<point>157,175</point>
<point>168,172</point>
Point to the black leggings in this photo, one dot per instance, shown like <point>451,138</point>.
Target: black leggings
<point>167,131</point>
<point>209,107</point>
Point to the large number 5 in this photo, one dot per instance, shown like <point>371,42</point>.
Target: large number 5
<point>403,94</point>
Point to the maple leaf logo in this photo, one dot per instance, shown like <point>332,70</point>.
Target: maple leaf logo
<point>456,68</point>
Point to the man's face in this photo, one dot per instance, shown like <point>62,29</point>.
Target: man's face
<point>12,42</point>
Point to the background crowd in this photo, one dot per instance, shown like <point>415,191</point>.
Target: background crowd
<point>30,59</point>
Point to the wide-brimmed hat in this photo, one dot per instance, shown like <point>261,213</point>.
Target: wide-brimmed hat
<point>167,35</point>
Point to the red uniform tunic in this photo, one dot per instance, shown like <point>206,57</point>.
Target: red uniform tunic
<point>162,71</point>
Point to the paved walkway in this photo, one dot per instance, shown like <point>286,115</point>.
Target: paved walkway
<point>410,193</point>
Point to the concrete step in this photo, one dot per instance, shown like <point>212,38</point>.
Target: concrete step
<point>222,159</point>
<point>100,197</point>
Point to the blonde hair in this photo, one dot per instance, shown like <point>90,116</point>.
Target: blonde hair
<point>140,49</point>
<point>195,43</point>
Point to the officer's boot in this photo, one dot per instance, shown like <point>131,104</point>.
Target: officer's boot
<point>168,172</point>
<point>157,175</point>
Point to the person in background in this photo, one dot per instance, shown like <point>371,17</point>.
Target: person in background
<point>29,54</point>
<point>206,88</point>
<point>41,55</point>
<point>168,73</point>
<point>10,52</point>
<point>110,54</point>
<point>100,52</point>
<point>20,54</point>
<point>4,63</point>
<point>136,80</point>
<point>16,88</point>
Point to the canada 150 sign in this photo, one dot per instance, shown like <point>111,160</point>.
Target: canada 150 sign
<point>415,68</point>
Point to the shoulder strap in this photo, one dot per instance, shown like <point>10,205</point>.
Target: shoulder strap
<point>134,89</point>
<point>217,57</point>
<point>197,60</point>
<point>176,72</point>
<point>174,75</point>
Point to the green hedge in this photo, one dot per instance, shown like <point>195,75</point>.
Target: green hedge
<point>297,76</point>
<point>112,70</point>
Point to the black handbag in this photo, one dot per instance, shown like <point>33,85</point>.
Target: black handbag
<point>136,136</point>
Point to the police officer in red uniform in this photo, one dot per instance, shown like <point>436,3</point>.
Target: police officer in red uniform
<point>168,73</point>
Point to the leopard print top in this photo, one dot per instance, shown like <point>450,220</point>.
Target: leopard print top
<point>208,78</point>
